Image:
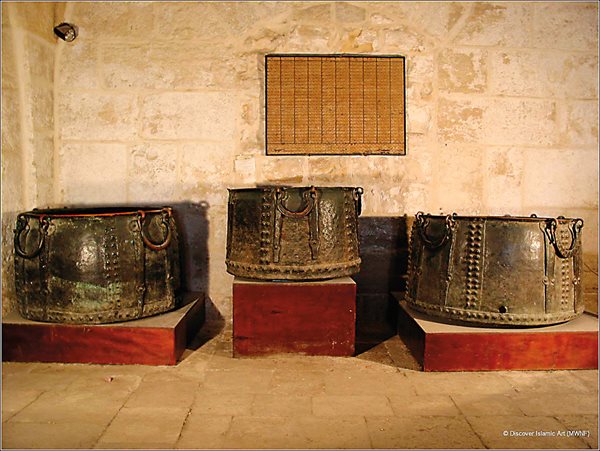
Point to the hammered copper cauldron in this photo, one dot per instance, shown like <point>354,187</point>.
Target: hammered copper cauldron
<point>96,265</point>
<point>305,233</point>
<point>496,270</point>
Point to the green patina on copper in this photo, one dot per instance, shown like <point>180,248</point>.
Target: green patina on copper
<point>96,265</point>
<point>293,233</point>
<point>496,270</point>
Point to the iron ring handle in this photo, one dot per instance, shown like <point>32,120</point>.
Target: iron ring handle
<point>422,226</point>
<point>576,227</point>
<point>166,214</point>
<point>310,197</point>
<point>22,224</point>
<point>356,194</point>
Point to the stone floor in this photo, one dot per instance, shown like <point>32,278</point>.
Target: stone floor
<point>378,399</point>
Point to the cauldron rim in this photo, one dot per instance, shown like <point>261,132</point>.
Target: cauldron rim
<point>502,218</point>
<point>266,187</point>
<point>91,211</point>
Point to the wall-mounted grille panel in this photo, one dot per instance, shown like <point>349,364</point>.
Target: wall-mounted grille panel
<point>335,104</point>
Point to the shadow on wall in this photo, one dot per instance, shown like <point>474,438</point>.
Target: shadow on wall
<point>192,220</point>
<point>384,255</point>
<point>193,241</point>
<point>195,260</point>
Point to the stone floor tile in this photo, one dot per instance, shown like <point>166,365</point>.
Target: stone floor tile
<point>401,355</point>
<point>457,382</point>
<point>15,400</point>
<point>239,381</point>
<point>169,374</point>
<point>374,352</point>
<point>133,445</point>
<point>145,425</point>
<point>296,362</point>
<point>86,369</point>
<point>108,384</point>
<point>224,348</point>
<point>367,382</point>
<point>586,423</point>
<point>589,378</point>
<point>171,392</point>
<point>193,365</point>
<point>46,435</point>
<point>152,394</point>
<point>289,401</point>
<point>333,433</point>
<point>428,405</point>
<point>222,403</point>
<point>552,404</point>
<point>357,364</point>
<point>545,382</point>
<point>519,432</point>
<point>15,368</point>
<point>263,433</point>
<point>475,404</point>
<point>204,431</point>
<point>72,406</point>
<point>424,432</point>
<point>297,432</point>
<point>97,395</point>
<point>281,406</point>
<point>36,381</point>
<point>242,363</point>
<point>292,382</point>
<point>348,405</point>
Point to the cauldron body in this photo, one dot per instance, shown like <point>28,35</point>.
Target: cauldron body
<point>293,233</point>
<point>96,265</point>
<point>496,270</point>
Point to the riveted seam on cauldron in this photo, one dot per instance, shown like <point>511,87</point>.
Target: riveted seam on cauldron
<point>497,270</point>
<point>300,233</point>
<point>95,265</point>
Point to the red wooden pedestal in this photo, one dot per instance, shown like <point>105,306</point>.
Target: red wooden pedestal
<point>441,346</point>
<point>314,318</point>
<point>156,340</point>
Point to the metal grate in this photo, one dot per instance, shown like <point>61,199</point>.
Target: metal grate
<point>335,104</point>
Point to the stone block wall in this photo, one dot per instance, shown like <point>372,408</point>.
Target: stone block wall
<point>163,103</point>
<point>28,50</point>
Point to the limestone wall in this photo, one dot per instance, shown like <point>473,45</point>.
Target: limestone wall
<point>162,103</point>
<point>28,49</point>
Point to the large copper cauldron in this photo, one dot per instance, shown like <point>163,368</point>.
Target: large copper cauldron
<point>293,233</point>
<point>96,265</point>
<point>497,270</point>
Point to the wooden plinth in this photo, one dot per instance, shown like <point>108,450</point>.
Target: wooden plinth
<point>441,346</point>
<point>313,318</point>
<point>156,340</point>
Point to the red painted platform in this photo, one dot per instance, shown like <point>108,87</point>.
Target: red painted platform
<point>440,346</point>
<point>156,340</point>
<point>314,318</point>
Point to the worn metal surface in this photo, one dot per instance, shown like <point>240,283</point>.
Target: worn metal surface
<point>293,233</point>
<point>497,270</point>
<point>92,266</point>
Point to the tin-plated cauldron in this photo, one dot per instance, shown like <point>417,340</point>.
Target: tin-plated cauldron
<point>96,265</point>
<point>496,270</point>
<point>293,233</point>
